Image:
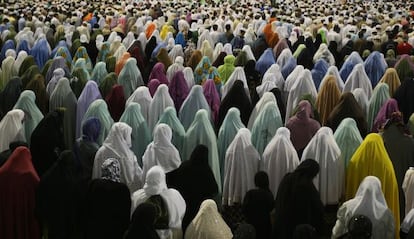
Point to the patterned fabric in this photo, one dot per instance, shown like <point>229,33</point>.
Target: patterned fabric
<point>111,170</point>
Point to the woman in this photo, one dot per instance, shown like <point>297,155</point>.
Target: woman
<point>379,97</point>
<point>279,158</point>
<point>361,165</point>
<point>201,132</point>
<point>141,135</point>
<point>155,189</point>
<point>298,201</point>
<point>241,164</point>
<point>258,204</point>
<point>169,117</point>
<point>130,77</point>
<point>193,103</point>
<point>330,181</point>
<point>208,224</point>
<point>161,151</point>
<point>159,103</point>
<point>370,202</point>
<point>17,206</point>
<point>265,126</point>
<point>143,223</point>
<point>11,128</point>
<point>400,148</point>
<point>89,94</point>
<point>228,130</point>
<point>302,126</point>
<point>348,107</point>
<point>328,97</point>
<point>348,139</point>
<point>26,103</point>
<point>107,189</point>
<point>117,145</point>
<point>195,181</point>
<point>143,97</point>
<point>99,109</point>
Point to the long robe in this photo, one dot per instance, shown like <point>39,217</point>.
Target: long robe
<point>361,165</point>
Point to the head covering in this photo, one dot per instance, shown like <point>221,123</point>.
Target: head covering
<point>265,61</point>
<point>63,97</point>
<point>405,68</point>
<point>170,118</point>
<point>265,126</point>
<point>89,94</point>
<point>18,202</point>
<point>208,223</point>
<point>370,202</point>
<point>116,102</point>
<point>375,66</point>
<point>362,100</point>
<point>201,132</point>
<point>130,77</point>
<point>302,85</point>
<point>158,72</point>
<point>328,97</point>
<point>142,222</point>
<point>141,96</point>
<point>82,53</point>
<point>325,151</point>
<point>358,79</point>
<point>241,161</point>
<point>161,151</point>
<point>178,89</point>
<point>302,127</point>
<point>404,96</point>
<point>41,52</point>
<point>111,170</point>
<point>202,71</point>
<point>32,114</point>
<point>159,103</point>
<point>11,128</point>
<point>318,72</point>
<point>227,69</point>
<point>347,107</point>
<point>140,135</point>
<point>117,145</point>
<point>298,201</point>
<point>194,102</point>
<point>99,109</point>
<point>10,95</point>
<point>348,139</point>
<point>279,158</point>
<point>349,64</point>
<point>372,150</point>
<point>392,79</point>
<point>379,97</point>
<point>384,114</point>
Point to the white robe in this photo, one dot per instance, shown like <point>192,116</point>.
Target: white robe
<point>161,151</point>
<point>331,179</point>
<point>159,103</point>
<point>358,79</point>
<point>117,145</point>
<point>11,128</point>
<point>155,185</point>
<point>143,97</point>
<point>279,158</point>
<point>370,202</point>
<point>408,188</point>
<point>240,167</point>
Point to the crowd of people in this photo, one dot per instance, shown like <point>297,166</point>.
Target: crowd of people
<point>206,119</point>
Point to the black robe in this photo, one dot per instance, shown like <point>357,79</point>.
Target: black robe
<point>47,141</point>
<point>298,201</point>
<point>107,210</point>
<point>10,95</point>
<point>195,181</point>
<point>405,98</point>
<point>57,197</point>
<point>348,107</point>
<point>236,97</point>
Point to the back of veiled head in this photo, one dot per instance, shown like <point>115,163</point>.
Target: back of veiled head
<point>305,231</point>
<point>308,168</point>
<point>200,154</point>
<point>261,180</point>
<point>162,135</point>
<point>91,129</point>
<point>142,222</point>
<point>155,181</point>
<point>111,170</point>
